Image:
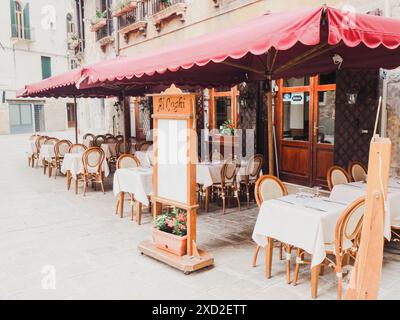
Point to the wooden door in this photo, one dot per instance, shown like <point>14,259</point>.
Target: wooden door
<point>305,116</point>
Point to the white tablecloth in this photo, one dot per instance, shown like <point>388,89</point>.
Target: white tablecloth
<point>73,163</point>
<point>46,152</point>
<point>208,173</point>
<point>138,181</point>
<point>347,193</point>
<point>145,158</point>
<point>298,225</point>
<point>30,147</point>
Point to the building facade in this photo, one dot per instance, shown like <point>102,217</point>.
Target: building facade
<point>312,129</point>
<point>33,46</point>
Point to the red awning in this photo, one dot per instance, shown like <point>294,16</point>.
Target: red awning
<point>296,43</point>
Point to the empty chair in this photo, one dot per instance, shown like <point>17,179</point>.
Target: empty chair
<point>345,246</point>
<point>126,161</point>
<point>144,146</point>
<point>109,135</point>
<point>92,169</point>
<point>267,188</point>
<point>99,140</point>
<point>252,172</point>
<point>337,175</point>
<point>357,171</point>
<point>77,148</point>
<point>123,148</point>
<point>60,149</point>
<point>47,162</point>
<point>228,186</point>
<point>32,152</point>
<point>88,139</point>
<point>120,137</point>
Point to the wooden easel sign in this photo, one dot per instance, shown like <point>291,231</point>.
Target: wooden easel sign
<point>174,173</point>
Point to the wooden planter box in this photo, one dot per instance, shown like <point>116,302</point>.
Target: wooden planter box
<point>169,242</point>
<point>98,25</point>
<point>132,5</point>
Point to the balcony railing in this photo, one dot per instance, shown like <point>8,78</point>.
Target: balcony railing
<point>159,5</point>
<point>20,33</point>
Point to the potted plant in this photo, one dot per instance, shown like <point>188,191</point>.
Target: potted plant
<point>99,20</point>
<point>227,128</point>
<point>164,4</point>
<point>73,41</point>
<point>123,6</point>
<point>170,231</point>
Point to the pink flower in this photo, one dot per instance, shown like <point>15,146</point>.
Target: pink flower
<point>181,217</point>
<point>182,227</point>
<point>171,223</point>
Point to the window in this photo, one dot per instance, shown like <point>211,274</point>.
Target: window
<point>46,67</point>
<point>70,24</point>
<point>223,106</point>
<point>296,117</point>
<point>73,64</point>
<point>296,82</point>
<point>20,23</point>
<point>80,18</point>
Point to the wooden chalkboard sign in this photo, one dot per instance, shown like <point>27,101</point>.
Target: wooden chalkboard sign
<point>174,172</point>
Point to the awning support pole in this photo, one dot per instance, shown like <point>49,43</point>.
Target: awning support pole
<point>270,124</point>
<point>76,120</point>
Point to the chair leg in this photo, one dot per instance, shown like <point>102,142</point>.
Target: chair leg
<point>237,198</point>
<point>223,202</point>
<point>280,251</point>
<point>117,207</point>
<point>85,184</point>
<point>297,266</point>
<point>248,196</point>
<point>138,212</point>
<point>288,249</point>
<point>269,249</point>
<point>121,204</point>
<point>132,203</point>
<point>256,251</point>
<point>76,185</point>
<point>44,167</point>
<point>50,170</point>
<point>102,186</point>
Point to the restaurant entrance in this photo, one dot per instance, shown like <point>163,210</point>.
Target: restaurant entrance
<point>305,127</point>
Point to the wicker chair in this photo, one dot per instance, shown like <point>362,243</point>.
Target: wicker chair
<point>228,186</point>
<point>120,138</point>
<point>122,148</point>
<point>144,146</point>
<point>33,150</point>
<point>357,171</point>
<point>39,142</point>
<point>60,149</point>
<point>267,188</point>
<point>92,159</point>
<point>128,161</point>
<point>47,162</point>
<point>88,139</point>
<point>99,140</point>
<point>337,175</point>
<point>345,246</point>
<point>249,179</point>
<point>77,148</point>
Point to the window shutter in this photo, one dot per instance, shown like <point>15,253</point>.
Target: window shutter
<point>13,20</point>
<point>27,27</point>
<point>46,67</point>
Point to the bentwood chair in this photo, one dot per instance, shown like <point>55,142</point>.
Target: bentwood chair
<point>120,138</point>
<point>267,188</point>
<point>123,148</point>
<point>60,149</point>
<point>92,159</point>
<point>126,161</point>
<point>39,142</point>
<point>88,139</point>
<point>77,148</point>
<point>252,172</point>
<point>108,135</point>
<point>32,150</point>
<point>335,176</point>
<point>344,248</point>
<point>112,142</point>
<point>357,171</point>
<point>228,186</point>
<point>47,162</point>
<point>99,140</point>
<point>143,146</point>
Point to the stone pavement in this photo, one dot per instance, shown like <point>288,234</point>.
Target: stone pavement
<point>58,245</point>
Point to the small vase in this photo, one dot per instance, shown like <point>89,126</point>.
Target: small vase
<point>169,242</point>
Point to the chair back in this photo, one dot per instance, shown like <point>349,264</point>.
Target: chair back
<point>88,139</point>
<point>77,148</point>
<point>348,227</point>
<point>127,161</point>
<point>216,156</point>
<point>357,171</point>
<point>123,148</point>
<point>228,172</point>
<point>61,148</point>
<point>111,140</point>
<point>51,141</point>
<point>93,160</point>
<point>34,137</point>
<point>99,140</point>
<point>143,146</point>
<point>269,187</point>
<point>39,142</point>
<point>108,135</point>
<point>120,137</point>
<point>337,175</point>
<point>254,166</point>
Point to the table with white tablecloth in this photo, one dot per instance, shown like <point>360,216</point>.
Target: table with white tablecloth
<point>145,158</point>
<point>137,181</point>
<point>73,164</point>
<point>46,152</point>
<point>347,193</point>
<point>307,223</point>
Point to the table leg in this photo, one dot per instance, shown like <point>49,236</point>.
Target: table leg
<point>69,178</point>
<point>207,199</point>
<point>138,213</point>
<point>268,257</point>
<point>121,204</point>
<point>314,281</point>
